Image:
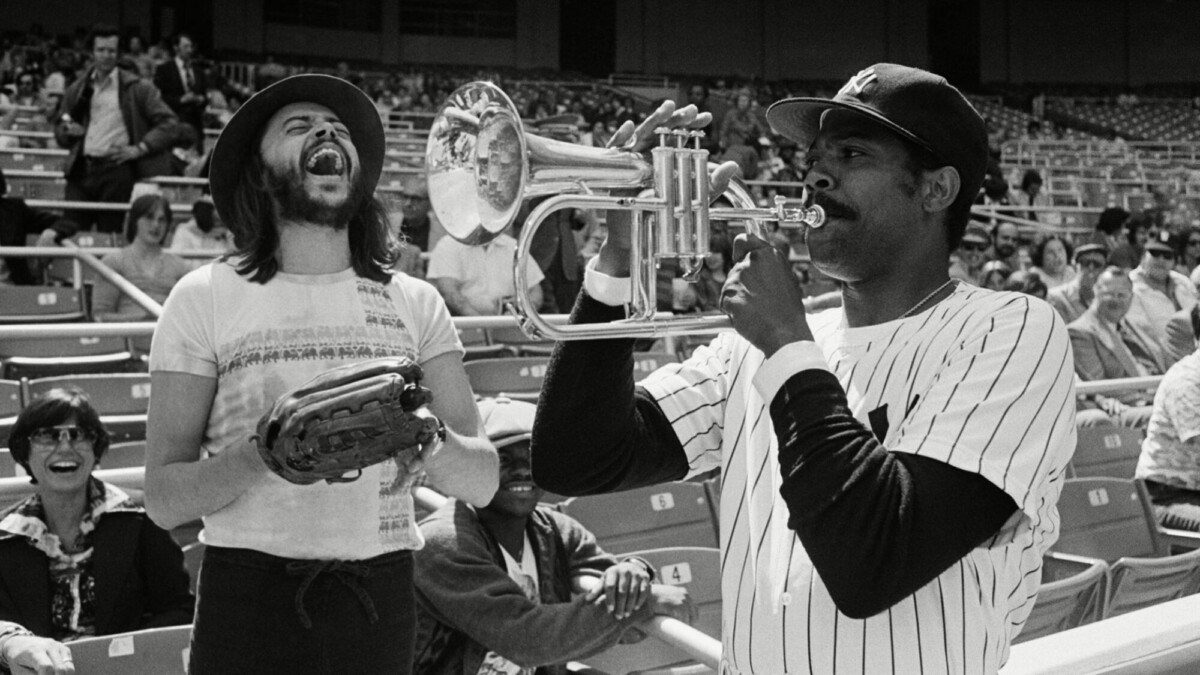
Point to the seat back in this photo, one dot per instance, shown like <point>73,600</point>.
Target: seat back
<point>699,570</point>
<point>1071,595</point>
<point>45,357</point>
<point>161,651</point>
<point>1106,451</point>
<point>8,465</point>
<point>1104,518</point>
<point>41,304</point>
<point>124,455</point>
<point>10,407</point>
<point>1173,539</point>
<point>518,342</point>
<point>122,399</point>
<point>1141,582</point>
<point>517,377</point>
<point>658,516</point>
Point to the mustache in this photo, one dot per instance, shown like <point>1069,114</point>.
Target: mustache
<point>834,208</point>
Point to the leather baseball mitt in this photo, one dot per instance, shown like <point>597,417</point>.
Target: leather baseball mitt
<point>346,419</point>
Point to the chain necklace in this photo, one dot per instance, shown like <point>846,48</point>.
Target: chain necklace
<point>926,299</point>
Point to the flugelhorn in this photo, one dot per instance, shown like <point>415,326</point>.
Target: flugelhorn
<point>482,165</point>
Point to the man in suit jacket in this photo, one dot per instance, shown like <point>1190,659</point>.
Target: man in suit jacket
<point>184,86</point>
<point>1106,347</point>
<point>118,130</point>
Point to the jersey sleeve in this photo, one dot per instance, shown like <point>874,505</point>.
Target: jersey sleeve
<point>1003,405</point>
<point>693,396</point>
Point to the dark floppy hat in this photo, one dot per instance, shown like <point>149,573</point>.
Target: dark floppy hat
<point>240,135</point>
<point>916,104</point>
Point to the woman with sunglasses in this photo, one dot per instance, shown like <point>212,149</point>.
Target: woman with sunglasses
<point>79,557</point>
<point>1187,259</point>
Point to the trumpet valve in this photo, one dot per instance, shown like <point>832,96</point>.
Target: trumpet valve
<point>811,216</point>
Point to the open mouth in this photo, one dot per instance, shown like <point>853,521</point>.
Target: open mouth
<point>326,161</point>
<point>64,466</point>
<point>519,488</point>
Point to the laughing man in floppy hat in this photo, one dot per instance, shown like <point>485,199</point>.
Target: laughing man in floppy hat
<point>890,467</point>
<point>314,578</point>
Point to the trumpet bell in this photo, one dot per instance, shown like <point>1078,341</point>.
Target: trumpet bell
<point>475,155</point>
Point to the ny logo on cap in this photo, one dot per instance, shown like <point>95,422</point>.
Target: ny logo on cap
<point>859,82</point>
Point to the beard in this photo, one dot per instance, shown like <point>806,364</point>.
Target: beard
<point>1005,250</point>
<point>295,203</point>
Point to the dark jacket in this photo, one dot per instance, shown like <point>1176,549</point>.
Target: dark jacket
<point>17,222</point>
<point>148,120</point>
<point>171,84</point>
<point>467,604</point>
<point>140,578</point>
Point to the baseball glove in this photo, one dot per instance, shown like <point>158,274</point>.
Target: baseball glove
<point>346,419</point>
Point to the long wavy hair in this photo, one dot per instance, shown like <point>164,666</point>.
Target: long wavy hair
<point>373,250</point>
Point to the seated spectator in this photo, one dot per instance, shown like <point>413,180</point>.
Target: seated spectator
<point>1170,459</point>
<point>1188,253</point>
<point>204,233</point>
<point>17,222</point>
<point>1128,253</point>
<point>1028,282</point>
<point>995,275</point>
<point>478,280</point>
<point>1107,347</point>
<point>419,224</point>
<point>1159,292</point>
<point>1073,298</point>
<point>515,585</point>
<point>1051,261</point>
<point>557,249</point>
<point>1112,232</point>
<point>966,263</point>
<point>143,262</point>
<point>81,557</point>
<point>1006,241</point>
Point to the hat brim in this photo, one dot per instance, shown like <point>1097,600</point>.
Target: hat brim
<point>799,119</point>
<point>503,441</point>
<point>240,136</point>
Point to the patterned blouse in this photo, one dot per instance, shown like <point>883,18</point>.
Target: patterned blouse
<point>73,585</point>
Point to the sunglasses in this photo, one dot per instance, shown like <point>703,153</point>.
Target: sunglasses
<point>1163,255</point>
<point>55,435</point>
<point>971,246</point>
<point>1091,264</point>
<point>1194,242</point>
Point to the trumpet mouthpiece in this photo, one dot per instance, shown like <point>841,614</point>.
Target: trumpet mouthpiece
<point>814,216</point>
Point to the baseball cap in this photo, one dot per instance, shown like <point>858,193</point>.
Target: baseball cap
<point>1092,247</point>
<point>238,138</point>
<point>916,104</point>
<point>506,421</point>
<point>976,232</point>
<point>1160,243</point>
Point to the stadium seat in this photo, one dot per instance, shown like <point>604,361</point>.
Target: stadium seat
<point>1175,540</point>
<point>45,357</point>
<point>122,399</point>
<point>1072,594</point>
<point>41,304</point>
<point>519,343</point>
<point>1106,518</point>
<point>157,651</point>
<point>671,514</point>
<point>10,407</point>
<point>124,455</point>
<point>62,269</point>
<point>697,569</point>
<point>1106,451</point>
<point>517,377</point>
<point>475,342</point>
<point>8,465</point>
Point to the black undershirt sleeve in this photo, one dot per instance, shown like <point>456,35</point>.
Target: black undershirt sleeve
<point>595,431</point>
<point>877,525</point>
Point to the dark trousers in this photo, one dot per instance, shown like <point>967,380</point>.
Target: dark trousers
<point>99,181</point>
<point>262,614</point>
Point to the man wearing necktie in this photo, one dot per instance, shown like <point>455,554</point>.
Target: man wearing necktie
<point>1107,346</point>
<point>184,86</point>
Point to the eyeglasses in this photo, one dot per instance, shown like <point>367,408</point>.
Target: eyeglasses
<point>409,197</point>
<point>1194,242</point>
<point>55,435</point>
<point>1158,253</point>
<point>1092,264</point>
<point>973,246</point>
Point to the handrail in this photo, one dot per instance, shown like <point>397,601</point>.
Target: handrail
<point>701,647</point>
<point>1123,384</point>
<point>123,285</point>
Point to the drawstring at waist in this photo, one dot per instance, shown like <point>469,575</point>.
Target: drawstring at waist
<point>346,572</point>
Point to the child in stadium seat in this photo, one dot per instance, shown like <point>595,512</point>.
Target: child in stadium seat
<point>516,585</point>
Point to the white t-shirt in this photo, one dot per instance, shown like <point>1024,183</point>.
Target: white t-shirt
<point>524,572</point>
<point>261,340</point>
<point>983,381</point>
<point>1168,451</point>
<point>486,270</point>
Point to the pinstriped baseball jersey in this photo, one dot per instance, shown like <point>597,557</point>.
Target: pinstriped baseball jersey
<point>982,381</point>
